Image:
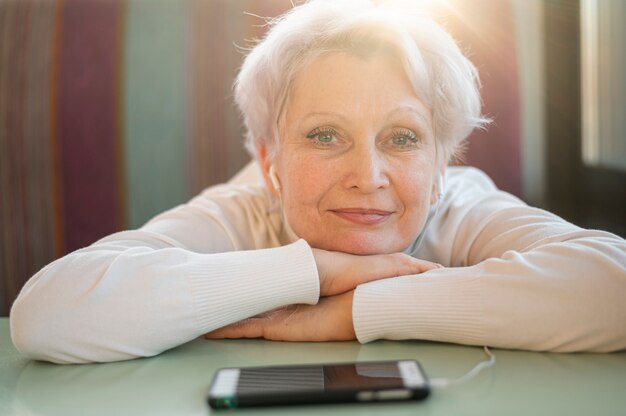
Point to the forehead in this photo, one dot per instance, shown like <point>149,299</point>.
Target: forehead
<point>345,83</point>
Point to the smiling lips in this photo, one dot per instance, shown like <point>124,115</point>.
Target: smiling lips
<point>362,216</point>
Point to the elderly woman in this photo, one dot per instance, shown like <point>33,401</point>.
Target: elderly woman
<point>359,229</point>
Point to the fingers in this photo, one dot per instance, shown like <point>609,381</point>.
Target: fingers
<point>255,327</point>
<point>340,272</point>
<point>384,266</point>
<point>248,328</point>
<point>400,264</point>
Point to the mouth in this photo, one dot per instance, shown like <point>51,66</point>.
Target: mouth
<point>362,216</point>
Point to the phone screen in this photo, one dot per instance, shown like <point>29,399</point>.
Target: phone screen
<point>368,381</point>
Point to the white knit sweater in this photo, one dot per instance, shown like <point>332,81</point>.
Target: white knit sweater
<point>515,277</point>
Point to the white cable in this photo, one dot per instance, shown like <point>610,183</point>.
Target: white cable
<point>447,382</point>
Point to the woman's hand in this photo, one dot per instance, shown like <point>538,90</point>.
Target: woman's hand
<point>341,272</point>
<point>329,320</point>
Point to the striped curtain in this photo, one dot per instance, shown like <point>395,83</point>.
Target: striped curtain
<point>111,111</point>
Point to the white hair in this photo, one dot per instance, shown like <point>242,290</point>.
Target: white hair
<point>442,77</point>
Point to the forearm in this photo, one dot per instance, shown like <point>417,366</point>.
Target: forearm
<point>566,296</point>
<point>113,302</point>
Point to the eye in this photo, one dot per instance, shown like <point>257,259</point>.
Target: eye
<point>323,137</point>
<point>404,139</point>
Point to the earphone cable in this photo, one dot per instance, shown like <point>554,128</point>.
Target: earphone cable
<point>447,382</point>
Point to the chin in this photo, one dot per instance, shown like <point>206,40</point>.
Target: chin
<point>360,246</point>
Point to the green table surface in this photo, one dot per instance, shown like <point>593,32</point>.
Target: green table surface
<point>176,382</point>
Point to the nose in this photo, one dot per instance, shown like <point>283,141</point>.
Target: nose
<point>366,170</point>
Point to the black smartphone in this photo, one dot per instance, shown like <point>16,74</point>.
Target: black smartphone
<point>319,383</point>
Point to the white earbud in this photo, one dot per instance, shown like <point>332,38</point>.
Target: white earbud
<point>274,179</point>
<point>440,186</point>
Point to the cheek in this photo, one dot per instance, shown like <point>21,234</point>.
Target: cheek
<point>414,190</point>
<point>308,180</point>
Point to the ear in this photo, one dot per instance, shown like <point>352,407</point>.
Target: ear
<point>266,164</point>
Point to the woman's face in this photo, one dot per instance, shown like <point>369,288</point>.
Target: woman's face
<point>356,162</point>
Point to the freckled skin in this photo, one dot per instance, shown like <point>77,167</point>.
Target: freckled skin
<point>356,161</point>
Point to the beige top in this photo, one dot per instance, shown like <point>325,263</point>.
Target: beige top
<point>515,277</point>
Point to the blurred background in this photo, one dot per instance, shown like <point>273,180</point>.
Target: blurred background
<point>112,111</point>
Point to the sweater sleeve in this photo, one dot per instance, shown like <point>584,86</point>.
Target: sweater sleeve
<point>519,277</point>
<point>138,293</point>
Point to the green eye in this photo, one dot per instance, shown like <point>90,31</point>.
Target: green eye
<point>400,140</point>
<point>323,137</point>
<point>404,139</point>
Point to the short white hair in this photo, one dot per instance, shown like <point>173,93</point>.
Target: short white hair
<point>442,77</point>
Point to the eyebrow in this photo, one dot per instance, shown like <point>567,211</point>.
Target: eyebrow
<point>403,109</point>
<point>408,109</point>
<point>323,114</point>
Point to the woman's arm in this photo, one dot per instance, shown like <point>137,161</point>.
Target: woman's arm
<point>520,278</point>
<point>134,295</point>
